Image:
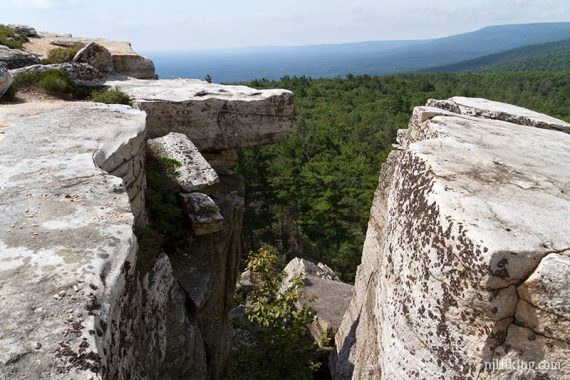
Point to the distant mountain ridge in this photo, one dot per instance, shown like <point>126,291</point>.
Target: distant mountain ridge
<point>551,56</point>
<point>374,57</point>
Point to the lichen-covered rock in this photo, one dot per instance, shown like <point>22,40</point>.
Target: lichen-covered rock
<point>14,58</point>
<point>194,172</point>
<point>97,56</point>
<point>79,73</point>
<point>5,80</point>
<point>67,233</point>
<point>464,268</point>
<point>214,117</point>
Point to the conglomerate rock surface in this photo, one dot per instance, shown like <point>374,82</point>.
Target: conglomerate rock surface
<point>465,266</point>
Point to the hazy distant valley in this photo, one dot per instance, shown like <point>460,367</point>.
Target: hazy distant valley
<point>374,58</point>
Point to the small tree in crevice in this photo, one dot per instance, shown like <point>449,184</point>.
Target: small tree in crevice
<point>275,344</point>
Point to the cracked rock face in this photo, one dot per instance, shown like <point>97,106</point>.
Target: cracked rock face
<point>465,264</point>
<point>215,117</point>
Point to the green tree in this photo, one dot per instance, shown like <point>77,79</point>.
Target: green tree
<point>276,345</point>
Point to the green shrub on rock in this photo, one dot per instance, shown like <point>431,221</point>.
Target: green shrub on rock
<point>114,96</point>
<point>10,38</point>
<point>60,55</point>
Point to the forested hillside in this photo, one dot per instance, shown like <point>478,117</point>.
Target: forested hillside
<point>552,56</point>
<point>310,195</point>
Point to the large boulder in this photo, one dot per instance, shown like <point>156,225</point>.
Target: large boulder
<point>97,56</point>
<point>465,267</point>
<point>323,291</point>
<point>5,80</point>
<point>14,58</point>
<point>80,73</point>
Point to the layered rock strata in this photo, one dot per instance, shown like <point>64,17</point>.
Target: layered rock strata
<point>465,264</point>
<point>215,117</point>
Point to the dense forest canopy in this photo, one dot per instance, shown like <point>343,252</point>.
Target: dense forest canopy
<point>310,195</point>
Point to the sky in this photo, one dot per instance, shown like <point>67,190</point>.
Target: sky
<point>154,25</point>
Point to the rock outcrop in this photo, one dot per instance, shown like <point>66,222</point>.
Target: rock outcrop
<point>67,239</point>
<point>464,273</point>
<point>79,296</point>
<point>125,60</point>
<point>325,292</point>
<point>14,58</point>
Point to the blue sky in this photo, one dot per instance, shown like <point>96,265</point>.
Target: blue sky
<point>191,24</point>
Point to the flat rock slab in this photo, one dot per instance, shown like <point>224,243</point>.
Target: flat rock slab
<point>194,172</point>
<point>67,231</point>
<point>500,111</point>
<point>215,117</point>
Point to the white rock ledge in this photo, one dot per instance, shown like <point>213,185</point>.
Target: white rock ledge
<point>466,256</point>
<point>215,117</point>
<point>66,232</point>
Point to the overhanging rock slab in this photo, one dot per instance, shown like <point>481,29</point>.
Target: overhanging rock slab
<point>215,117</point>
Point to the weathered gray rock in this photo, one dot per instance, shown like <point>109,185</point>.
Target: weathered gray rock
<point>69,43</point>
<point>67,237</point>
<point>5,80</point>
<point>14,58</point>
<point>80,73</point>
<point>214,117</point>
<point>194,173</point>
<point>465,259</point>
<point>323,291</point>
<point>97,56</point>
<point>203,212</point>
<point>24,30</point>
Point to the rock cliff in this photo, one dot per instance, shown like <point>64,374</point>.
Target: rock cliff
<point>78,299</point>
<point>465,266</point>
